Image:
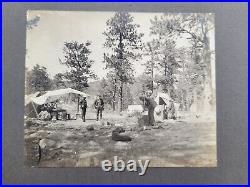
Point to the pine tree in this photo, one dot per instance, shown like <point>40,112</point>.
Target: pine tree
<point>76,58</point>
<point>195,28</point>
<point>123,41</point>
<point>151,51</point>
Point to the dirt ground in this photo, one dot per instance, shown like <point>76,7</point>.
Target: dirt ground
<point>172,143</point>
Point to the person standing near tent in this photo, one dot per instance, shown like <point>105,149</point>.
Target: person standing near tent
<point>165,112</point>
<point>99,106</point>
<point>172,110</point>
<point>83,105</point>
<point>150,104</point>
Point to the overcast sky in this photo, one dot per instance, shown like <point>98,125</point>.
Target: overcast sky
<point>45,42</point>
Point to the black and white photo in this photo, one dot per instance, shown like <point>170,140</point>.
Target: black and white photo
<point>125,85</point>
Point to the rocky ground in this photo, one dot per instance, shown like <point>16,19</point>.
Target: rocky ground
<point>72,143</point>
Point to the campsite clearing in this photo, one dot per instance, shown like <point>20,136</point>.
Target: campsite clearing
<point>72,144</point>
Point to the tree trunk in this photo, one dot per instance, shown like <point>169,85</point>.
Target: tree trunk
<point>121,64</point>
<point>152,76</point>
<point>165,74</point>
<point>113,99</point>
<point>113,105</point>
<point>121,96</point>
<point>207,59</point>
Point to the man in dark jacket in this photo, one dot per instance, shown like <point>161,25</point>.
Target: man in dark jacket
<point>150,104</point>
<point>83,105</point>
<point>99,106</point>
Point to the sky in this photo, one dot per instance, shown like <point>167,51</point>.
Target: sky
<point>45,41</point>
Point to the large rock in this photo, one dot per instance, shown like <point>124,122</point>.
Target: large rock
<point>90,128</point>
<point>117,136</point>
<point>46,143</point>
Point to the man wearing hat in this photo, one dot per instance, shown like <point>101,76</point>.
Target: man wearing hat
<point>83,105</point>
<point>99,106</point>
<point>150,104</point>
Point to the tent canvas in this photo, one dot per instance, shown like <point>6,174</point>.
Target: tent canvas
<point>32,101</point>
<point>28,98</point>
<point>30,109</point>
<point>162,98</point>
<point>52,96</point>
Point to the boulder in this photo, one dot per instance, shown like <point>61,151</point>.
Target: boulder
<point>117,136</point>
<point>46,143</point>
<point>90,128</point>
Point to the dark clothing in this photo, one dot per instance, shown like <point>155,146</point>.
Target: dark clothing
<point>99,106</point>
<point>150,104</point>
<point>98,113</point>
<point>151,118</point>
<point>83,114</point>
<point>83,105</point>
<point>165,113</point>
<point>172,111</point>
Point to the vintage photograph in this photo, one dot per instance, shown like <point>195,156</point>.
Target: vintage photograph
<point>132,85</point>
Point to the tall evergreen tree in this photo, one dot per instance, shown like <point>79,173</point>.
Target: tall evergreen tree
<point>76,58</point>
<point>123,42</point>
<point>152,52</point>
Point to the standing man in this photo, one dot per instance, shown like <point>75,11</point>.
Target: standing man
<point>165,112</point>
<point>83,105</point>
<point>150,104</point>
<point>99,106</point>
<point>172,110</point>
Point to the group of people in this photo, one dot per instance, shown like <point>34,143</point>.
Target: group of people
<point>148,103</point>
<point>49,107</point>
<point>98,104</point>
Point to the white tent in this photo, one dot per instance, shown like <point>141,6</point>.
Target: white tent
<point>30,108</point>
<point>52,96</point>
<point>162,98</point>
<point>28,98</point>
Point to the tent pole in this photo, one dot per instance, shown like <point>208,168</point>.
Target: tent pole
<point>34,109</point>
